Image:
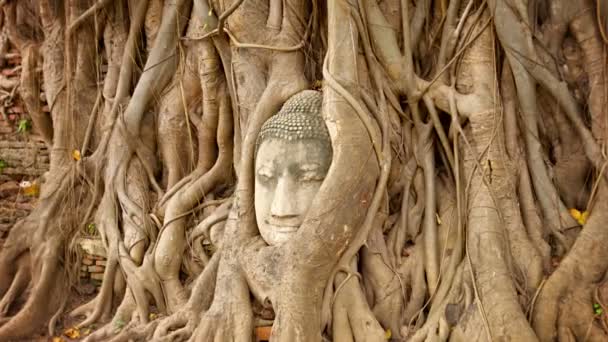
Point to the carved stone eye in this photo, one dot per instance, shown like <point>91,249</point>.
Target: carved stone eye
<point>311,176</point>
<point>265,175</point>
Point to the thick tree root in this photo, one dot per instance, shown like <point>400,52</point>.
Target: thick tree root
<point>352,318</point>
<point>40,305</point>
<point>567,297</point>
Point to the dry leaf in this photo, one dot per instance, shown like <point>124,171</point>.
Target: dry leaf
<point>152,316</point>
<point>584,217</point>
<point>388,334</point>
<point>581,218</point>
<point>58,339</point>
<point>72,333</point>
<point>76,155</point>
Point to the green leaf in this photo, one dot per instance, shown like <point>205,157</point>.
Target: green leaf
<point>3,165</point>
<point>23,126</point>
<point>597,309</point>
<point>91,228</point>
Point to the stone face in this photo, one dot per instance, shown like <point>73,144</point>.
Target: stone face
<point>292,159</point>
<point>288,177</point>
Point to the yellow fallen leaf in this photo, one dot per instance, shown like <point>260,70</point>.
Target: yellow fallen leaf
<point>86,331</point>
<point>584,217</point>
<point>388,334</point>
<point>152,316</point>
<point>72,333</point>
<point>581,218</point>
<point>76,155</point>
<point>58,339</point>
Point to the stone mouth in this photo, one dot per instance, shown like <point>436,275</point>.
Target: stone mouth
<point>284,228</point>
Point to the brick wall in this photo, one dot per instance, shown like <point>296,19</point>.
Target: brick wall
<point>93,263</point>
<point>26,157</point>
<point>23,155</point>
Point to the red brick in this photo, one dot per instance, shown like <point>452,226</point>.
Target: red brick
<point>15,109</point>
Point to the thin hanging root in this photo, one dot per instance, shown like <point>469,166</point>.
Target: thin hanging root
<point>398,235</point>
<point>100,4</point>
<point>206,127</point>
<point>29,91</point>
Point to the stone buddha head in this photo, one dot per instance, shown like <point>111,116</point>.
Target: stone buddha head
<point>293,155</point>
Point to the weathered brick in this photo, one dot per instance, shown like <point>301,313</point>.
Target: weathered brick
<point>93,247</point>
<point>24,206</point>
<point>100,262</point>
<point>87,261</point>
<point>97,276</point>
<point>96,269</point>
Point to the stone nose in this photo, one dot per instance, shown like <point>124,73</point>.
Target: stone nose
<point>284,202</point>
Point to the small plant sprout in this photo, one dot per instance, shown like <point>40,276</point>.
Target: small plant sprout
<point>597,309</point>
<point>91,228</point>
<point>24,126</point>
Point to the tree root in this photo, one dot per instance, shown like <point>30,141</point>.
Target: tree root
<point>444,314</point>
<point>18,285</point>
<point>352,318</point>
<point>182,323</point>
<point>38,307</point>
<point>569,289</point>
